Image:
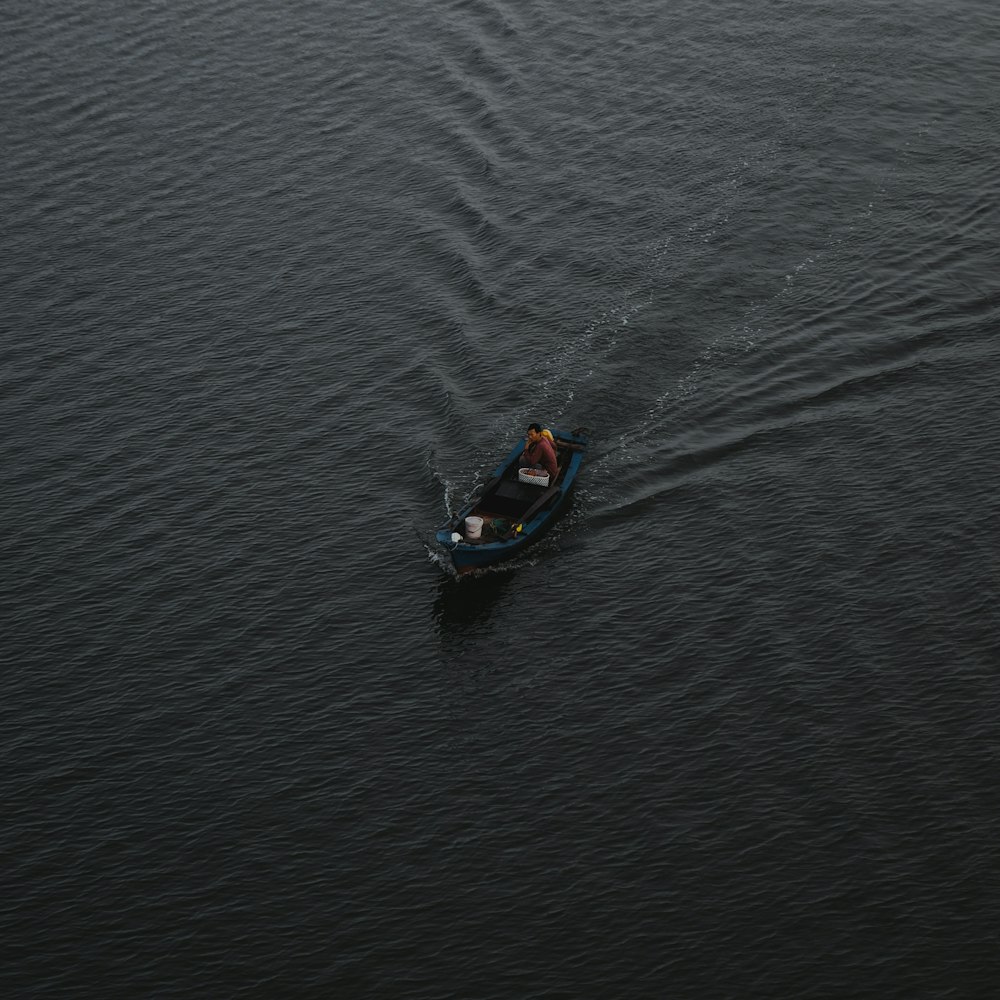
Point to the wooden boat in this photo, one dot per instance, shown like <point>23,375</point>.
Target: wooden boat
<point>514,513</point>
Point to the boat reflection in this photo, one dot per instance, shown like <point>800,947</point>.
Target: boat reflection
<point>466,605</point>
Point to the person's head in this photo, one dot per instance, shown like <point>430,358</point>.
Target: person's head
<point>534,432</point>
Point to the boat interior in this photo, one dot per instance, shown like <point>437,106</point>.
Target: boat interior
<point>506,500</point>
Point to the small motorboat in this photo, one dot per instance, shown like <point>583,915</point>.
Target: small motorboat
<point>514,508</point>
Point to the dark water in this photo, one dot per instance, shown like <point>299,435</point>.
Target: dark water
<point>281,279</point>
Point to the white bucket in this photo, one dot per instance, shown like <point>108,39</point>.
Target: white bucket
<point>473,527</point>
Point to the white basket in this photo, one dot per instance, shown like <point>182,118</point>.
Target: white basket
<point>533,476</point>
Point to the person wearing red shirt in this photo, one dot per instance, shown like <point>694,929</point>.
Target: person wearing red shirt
<point>539,453</point>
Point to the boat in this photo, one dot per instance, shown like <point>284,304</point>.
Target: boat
<point>513,508</point>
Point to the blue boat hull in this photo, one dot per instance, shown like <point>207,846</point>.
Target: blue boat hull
<point>531,510</point>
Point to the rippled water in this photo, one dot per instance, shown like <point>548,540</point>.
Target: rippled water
<point>280,280</point>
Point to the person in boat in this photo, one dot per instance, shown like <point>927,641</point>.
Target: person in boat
<point>540,451</point>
